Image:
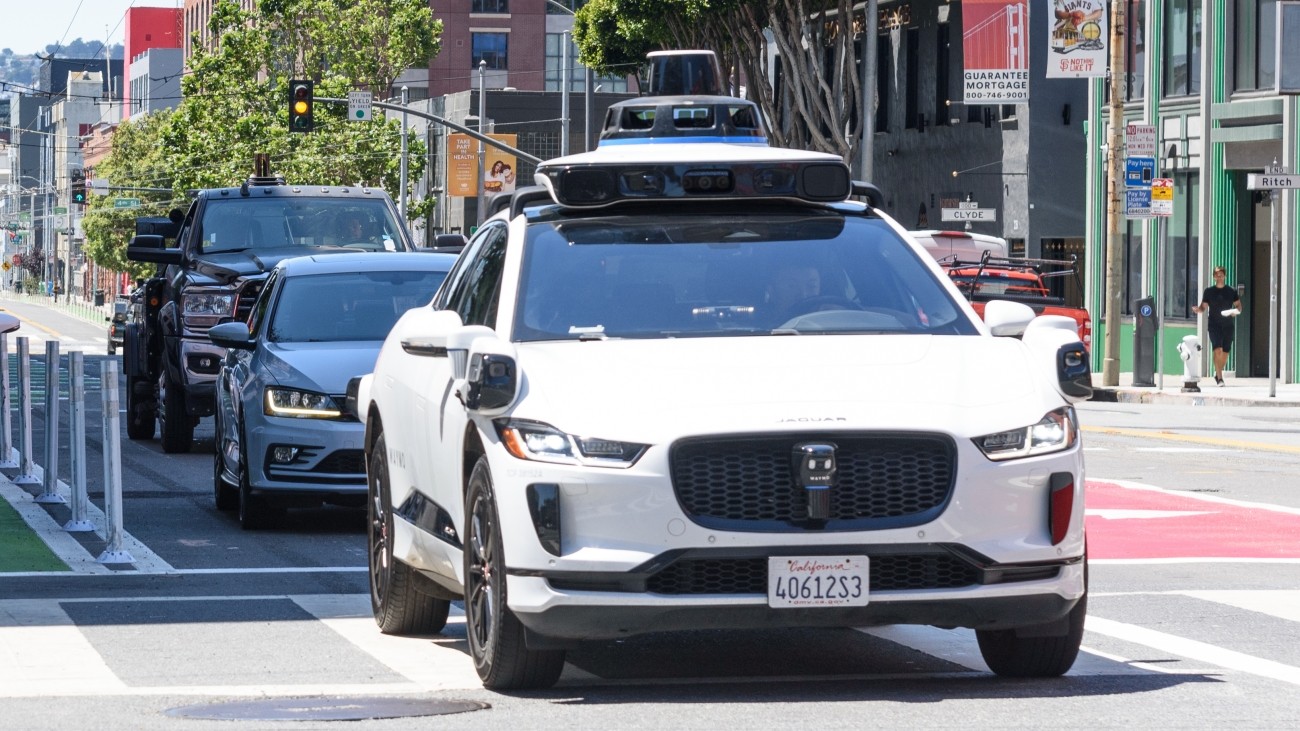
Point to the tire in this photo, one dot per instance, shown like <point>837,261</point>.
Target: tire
<point>255,511</point>
<point>225,495</point>
<point>177,428</point>
<point>496,637</point>
<point>140,409</point>
<point>398,605</point>
<point>1012,655</point>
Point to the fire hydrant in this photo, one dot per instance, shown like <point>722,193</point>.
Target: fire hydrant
<point>1190,350</point>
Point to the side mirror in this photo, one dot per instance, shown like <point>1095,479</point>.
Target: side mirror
<point>231,335</point>
<point>9,323</point>
<point>152,248</point>
<point>491,381</point>
<point>448,244</point>
<point>1007,319</point>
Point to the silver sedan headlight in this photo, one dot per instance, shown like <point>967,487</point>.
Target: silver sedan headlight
<point>296,404</point>
<point>1055,432</point>
<point>533,440</point>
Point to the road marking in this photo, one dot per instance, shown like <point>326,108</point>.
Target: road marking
<point>429,662</point>
<point>1280,603</point>
<point>1194,650</point>
<point>1193,439</point>
<point>1128,484</point>
<point>43,653</point>
<point>64,546</point>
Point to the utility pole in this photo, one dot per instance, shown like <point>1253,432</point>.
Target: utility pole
<point>1114,198</point>
<point>401,197</point>
<point>866,155</point>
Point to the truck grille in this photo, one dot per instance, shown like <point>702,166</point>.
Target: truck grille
<point>247,297</point>
<point>746,482</point>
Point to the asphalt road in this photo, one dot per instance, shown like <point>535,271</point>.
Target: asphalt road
<point>1194,613</point>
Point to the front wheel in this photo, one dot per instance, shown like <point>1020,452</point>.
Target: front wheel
<point>399,607</point>
<point>496,637</point>
<point>177,426</point>
<point>1024,653</point>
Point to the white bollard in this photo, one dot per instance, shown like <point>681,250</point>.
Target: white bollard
<point>50,491</point>
<point>80,503</point>
<point>26,468</point>
<point>6,417</point>
<point>113,552</point>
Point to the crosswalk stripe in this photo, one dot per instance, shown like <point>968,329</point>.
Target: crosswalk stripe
<point>43,653</point>
<point>1194,650</point>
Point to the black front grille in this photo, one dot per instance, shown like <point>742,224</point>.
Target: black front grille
<point>343,461</point>
<point>749,575</point>
<point>746,483</point>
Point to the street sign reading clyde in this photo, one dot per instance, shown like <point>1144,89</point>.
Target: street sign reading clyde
<point>968,214</point>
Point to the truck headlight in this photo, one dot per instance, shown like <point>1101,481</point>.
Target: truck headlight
<point>1055,432</point>
<point>201,303</point>
<point>533,440</point>
<point>297,404</point>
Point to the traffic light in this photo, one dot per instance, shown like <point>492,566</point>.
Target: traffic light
<point>78,185</point>
<point>300,106</point>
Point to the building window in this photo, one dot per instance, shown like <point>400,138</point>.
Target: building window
<point>884,72</point>
<point>492,48</point>
<point>1136,21</point>
<point>489,6</point>
<point>1255,43</point>
<point>942,66</point>
<point>1183,48</point>
<point>1184,291</point>
<point>573,5</point>
<point>911,85</point>
<point>577,72</point>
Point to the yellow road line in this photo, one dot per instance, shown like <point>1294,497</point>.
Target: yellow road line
<point>34,324</point>
<point>1191,439</point>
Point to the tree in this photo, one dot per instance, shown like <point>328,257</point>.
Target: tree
<point>234,105</point>
<point>817,104</point>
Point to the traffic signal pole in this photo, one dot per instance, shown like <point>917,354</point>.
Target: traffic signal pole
<point>451,125</point>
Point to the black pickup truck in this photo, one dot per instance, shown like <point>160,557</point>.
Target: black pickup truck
<point>224,247</point>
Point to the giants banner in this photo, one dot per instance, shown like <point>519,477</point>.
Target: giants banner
<point>996,51</point>
<point>1078,39</point>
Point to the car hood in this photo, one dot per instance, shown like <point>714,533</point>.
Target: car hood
<point>222,267</point>
<point>959,384</point>
<point>321,367</point>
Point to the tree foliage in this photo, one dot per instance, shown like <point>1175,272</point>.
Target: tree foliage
<point>817,102</point>
<point>235,104</point>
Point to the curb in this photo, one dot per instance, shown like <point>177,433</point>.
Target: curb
<point>1202,398</point>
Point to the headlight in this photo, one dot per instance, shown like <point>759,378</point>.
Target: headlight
<point>1055,432</point>
<point>533,440</point>
<point>297,404</point>
<point>208,304</point>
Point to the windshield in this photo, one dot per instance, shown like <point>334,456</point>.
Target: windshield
<point>349,306</point>
<point>726,274</point>
<point>237,224</point>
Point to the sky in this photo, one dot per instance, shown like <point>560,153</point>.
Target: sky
<point>28,26</point>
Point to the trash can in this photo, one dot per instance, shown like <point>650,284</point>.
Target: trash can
<point>1144,342</point>
<point>99,298</point>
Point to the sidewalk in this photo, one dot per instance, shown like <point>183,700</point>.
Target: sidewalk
<point>1234,392</point>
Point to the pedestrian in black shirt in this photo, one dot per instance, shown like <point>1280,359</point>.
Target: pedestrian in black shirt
<point>1222,304</point>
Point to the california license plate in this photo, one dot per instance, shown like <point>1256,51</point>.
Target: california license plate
<point>817,581</point>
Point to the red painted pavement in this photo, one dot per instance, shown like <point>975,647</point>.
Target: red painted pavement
<point>1221,531</point>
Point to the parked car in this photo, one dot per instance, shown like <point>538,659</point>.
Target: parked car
<point>117,324</point>
<point>686,384</point>
<point>1028,281</point>
<point>282,437</point>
